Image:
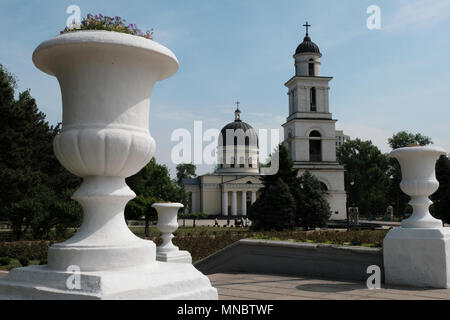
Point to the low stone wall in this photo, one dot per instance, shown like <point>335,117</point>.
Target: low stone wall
<point>294,259</point>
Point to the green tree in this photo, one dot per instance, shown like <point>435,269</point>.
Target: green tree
<point>34,184</point>
<point>315,213</point>
<point>286,171</point>
<point>403,139</point>
<point>312,207</point>
<point>185,171</point>
<point>275,209</point>
<point>151,184</point>
<point>396,196</point>
<point>441,207</point>
<point>367,167</point>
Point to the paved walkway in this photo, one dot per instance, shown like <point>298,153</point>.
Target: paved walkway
<point>271,287</point>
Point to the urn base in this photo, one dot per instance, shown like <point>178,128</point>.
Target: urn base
<point>178,256</point>
<point>417,257</point>
<point>157,281</point>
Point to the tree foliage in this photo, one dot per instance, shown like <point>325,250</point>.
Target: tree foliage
<point>286,171</point>
<point>367,168</point>
<point>152,184</point>
<point>185,171</point>
<point>441,207</point>
<point>403,139</point>
<point>312,207</point>
<point>34,192</point>
<point>275,208</point>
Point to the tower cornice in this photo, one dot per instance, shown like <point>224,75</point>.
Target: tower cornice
<point>324,79</point>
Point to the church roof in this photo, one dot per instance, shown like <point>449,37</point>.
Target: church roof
<point>307,46</point>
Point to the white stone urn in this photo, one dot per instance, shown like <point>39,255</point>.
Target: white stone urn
<point>106,80</point>
<point>167,225</point>
<point>419,182</point>
<point>418,252</point>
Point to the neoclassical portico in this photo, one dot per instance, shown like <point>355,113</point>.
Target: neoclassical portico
<point>231,195</point>
<point>236,198</point>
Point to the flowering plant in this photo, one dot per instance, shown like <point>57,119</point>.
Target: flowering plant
<point>100,22</point>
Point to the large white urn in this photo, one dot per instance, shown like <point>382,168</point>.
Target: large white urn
<point>419,181</point>
<point>418,253</point>
<point>106,80</point>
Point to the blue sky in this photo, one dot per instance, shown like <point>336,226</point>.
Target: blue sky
<point>387,80</point>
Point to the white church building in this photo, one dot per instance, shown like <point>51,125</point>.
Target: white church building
<point>310,136</point>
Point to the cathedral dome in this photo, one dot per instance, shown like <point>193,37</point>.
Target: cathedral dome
<point>307,46</point>
<point>238,150</point>
<point>249,134</point>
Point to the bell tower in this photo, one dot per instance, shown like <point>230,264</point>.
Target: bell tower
<point>310,130</point>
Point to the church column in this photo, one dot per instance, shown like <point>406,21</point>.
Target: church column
<point>234,204</point>
<point>225,203</point>
<point>193,202</point>
<point>253,197</point>
<point>244,203</point>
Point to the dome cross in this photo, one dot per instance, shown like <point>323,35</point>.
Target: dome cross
<point>307,26</point>
<point>237,113</point>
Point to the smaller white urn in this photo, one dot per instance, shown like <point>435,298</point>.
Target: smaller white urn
<point>167,225</point>
<point>419,182</point>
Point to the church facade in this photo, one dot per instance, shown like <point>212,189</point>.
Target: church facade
<point>310,136</point>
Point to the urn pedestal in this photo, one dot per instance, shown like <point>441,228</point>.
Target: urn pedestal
<point>418,253</point>
<point>106,80</point>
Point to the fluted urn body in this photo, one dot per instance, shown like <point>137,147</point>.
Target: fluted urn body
<point>106,80</point>
<point>419,182</point>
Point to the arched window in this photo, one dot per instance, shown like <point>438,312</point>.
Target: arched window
<point>315,146</point>
<point>313,99</point>
<point>323,186</point>
<point>315,134</point>
<point>311,68</point>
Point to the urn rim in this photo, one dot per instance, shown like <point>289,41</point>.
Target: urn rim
<point>106,38</point>
<point>420,149</point>
<point>167,205</point>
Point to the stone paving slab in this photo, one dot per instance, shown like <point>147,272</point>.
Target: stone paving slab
<point>275,287</point>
